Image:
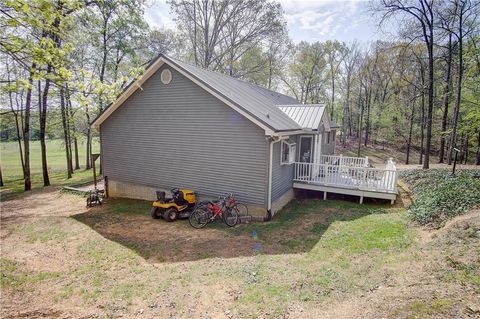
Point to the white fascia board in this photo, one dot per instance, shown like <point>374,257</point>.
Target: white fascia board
<point>296,132</point>
<point>127,93</point>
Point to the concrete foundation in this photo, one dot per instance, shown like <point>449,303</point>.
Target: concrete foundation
<point>135,191</point>
<point>282,201</point>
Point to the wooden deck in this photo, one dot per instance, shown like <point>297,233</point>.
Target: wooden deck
<point>347,175</point>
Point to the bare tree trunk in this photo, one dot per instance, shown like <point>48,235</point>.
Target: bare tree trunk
<point>447,93</point>
<point>359,102</point>
<point>422,130</point>
<point>333,96</point>
<point>75,146</point>
<point>360,120</point>
<point>431,79</point>
<point>87,159</point>
<point>270,73</point>
<point>409,142</point>
<point>477,162</point>
<point>69,132</point>
<point>346,115</point>
<point>17,131</point>
<point>368,101</point>
<point>350,123</point>
<point>458,99</point>
<point>26,129</point>
<point>71,120</point>
<point>466,148</point>
<point>195,32</point>
<point>42,109</point>
<point>65,133</point>
<point>103,66</point>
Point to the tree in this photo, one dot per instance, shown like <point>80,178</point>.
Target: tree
<point>114,31</point>
<point>350,62</point>
<point>221,32</point>
<point>306,71</point>
<point>463,14</point>
<point>335,53</point>
<point>447,94</point>
<point>423,14</point>
<point>16,109</point>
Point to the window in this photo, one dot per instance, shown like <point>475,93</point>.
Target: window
<point>288,151</point>
<point>333,135</point>
<point>328,138</point>
<point>166,76</point>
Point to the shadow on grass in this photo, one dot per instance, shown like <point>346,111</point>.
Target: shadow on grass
<point>295,229</point>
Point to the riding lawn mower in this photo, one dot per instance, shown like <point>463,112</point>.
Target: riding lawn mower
<point>180,205</point>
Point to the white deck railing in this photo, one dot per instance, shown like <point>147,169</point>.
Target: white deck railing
<point>354,177</point>
<point>343,160</point>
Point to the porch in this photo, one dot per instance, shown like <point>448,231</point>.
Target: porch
<point>347,175</point>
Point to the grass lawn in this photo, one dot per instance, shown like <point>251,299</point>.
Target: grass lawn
<point>316,259</point>
<point>296,230</point>
<point>12,167</point>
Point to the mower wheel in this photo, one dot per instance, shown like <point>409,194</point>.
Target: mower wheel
<point>155,212</point>
<point>170,214</point>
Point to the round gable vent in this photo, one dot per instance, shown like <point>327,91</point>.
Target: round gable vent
<point>166,76</point>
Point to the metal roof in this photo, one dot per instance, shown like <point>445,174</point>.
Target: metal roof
<point>333,124</point>
<point>308,116</point>
<point>255,100</point>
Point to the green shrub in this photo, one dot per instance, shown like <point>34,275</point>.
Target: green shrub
<point>440,195</point>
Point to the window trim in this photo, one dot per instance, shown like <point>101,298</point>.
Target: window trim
<point>312,141</point>
<point>292,149</point>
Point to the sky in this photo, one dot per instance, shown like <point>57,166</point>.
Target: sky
<point>307,20</point>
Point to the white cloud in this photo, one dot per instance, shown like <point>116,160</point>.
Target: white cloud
<point>309,20</point>
<point>158,14</point>
<point>324,17</point>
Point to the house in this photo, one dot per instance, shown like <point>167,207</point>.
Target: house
<point>182,126</point>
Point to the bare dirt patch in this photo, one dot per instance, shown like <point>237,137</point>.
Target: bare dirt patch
<point>334,259</point>
<point>160,241</point>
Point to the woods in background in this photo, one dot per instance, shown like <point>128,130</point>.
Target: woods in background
<point>64,61</point>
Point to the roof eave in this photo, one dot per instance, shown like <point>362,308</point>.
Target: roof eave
<point>152,68</point>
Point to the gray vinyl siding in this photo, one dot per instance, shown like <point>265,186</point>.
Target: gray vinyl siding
<point>282,175</point>
<point>179,135</point>
<point>328,149</point>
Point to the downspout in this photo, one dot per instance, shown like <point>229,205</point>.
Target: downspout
<point>273,140</point>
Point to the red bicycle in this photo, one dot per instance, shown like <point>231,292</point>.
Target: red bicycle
<point>206,212</point>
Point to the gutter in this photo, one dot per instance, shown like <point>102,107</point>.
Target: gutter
<point>273,140</point>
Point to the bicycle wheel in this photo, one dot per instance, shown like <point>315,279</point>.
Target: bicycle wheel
<point>230,217</point>
<point>241,209</point>
<point>200,217</point>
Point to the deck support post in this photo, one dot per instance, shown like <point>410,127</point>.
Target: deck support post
<point>324,195</point>
<point>361,199</point>
<point>392,202</point>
